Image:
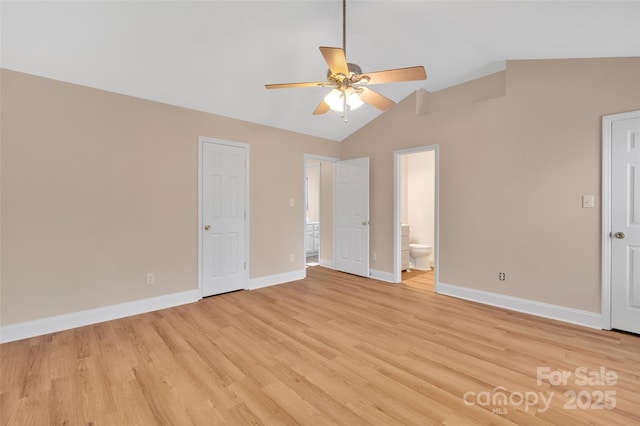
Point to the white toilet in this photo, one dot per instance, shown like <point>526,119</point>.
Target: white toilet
<point>419,256</point>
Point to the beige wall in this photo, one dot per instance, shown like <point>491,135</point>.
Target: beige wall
<point>517,151</point>
<point>98,189</point>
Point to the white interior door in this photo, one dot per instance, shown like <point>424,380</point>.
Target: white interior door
<point>625,224</point>
<point>352,216</point>
<point>223,218</point>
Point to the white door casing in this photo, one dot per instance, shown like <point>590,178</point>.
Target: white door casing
<point>397,199</point>
<point>324,228</point>
<point>351,252</point>
<point>223,219</point>
<point>624,233</point>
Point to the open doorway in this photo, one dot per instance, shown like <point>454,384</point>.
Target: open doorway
<point>312,212</point>
<point>416,197</point>
<point>318,210</point>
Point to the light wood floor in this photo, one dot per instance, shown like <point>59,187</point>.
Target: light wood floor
<point>418,280</point>
<point>331,349</point>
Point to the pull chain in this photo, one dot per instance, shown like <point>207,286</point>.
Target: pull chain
<point>346,107</point>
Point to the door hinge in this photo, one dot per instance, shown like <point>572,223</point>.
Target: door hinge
<point>245,266</point>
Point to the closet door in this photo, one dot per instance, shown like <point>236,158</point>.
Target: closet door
<point>223,218</point>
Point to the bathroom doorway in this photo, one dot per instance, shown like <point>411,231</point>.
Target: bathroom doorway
<point>318,210</point>
<point>416,217</point>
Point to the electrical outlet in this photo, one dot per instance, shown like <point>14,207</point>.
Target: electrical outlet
<point>292,258</point>
<point>151,278</point>
<point>373,256</point>
<point>502,276</point>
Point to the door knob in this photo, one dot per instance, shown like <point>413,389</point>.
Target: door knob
<point>619,235</point>
<point>207,227</point>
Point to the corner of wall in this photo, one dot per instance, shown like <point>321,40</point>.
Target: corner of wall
<point>423,102</point>
<point>482,89</point>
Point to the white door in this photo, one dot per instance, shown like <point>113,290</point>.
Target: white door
<point>223,218</point>
<point>625,224</point>
<point>352,216</point>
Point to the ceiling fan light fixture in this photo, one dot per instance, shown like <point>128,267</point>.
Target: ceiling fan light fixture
<point>353,98</point>
<point>335,99</point>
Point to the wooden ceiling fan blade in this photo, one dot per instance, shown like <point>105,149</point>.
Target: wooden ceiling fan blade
<point>322,108</point>
<point>376,99</point>
<point>399,74</point>
<point>334,56</point>
<point>306,84</point>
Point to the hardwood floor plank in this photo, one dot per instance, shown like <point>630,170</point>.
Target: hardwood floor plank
<point>292,403</point>
<point>261,405</point>
<point>333,410</point>
<point>330,349</point>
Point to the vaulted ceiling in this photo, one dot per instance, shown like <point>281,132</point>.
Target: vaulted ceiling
<point>216,56</point>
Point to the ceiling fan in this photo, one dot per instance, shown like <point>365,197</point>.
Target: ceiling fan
<point>350,83</point>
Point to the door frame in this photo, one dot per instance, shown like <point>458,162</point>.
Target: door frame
<point>397,166</point>
<point>607,123</point>
<point>320,158</point>
<point>201,141</point>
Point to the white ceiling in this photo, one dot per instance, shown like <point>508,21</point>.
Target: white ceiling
<point>216,56</point>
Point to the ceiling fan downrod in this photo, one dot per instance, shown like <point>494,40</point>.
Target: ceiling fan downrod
<point>344,27</point>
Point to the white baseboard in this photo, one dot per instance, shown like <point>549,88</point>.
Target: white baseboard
<point>327,263</point>
<point>381,275</point>
<point>269,280</point>
<point>24,330</point>
<point>546,310</point>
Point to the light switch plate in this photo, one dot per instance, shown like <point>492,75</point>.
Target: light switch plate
<point>587,202</point>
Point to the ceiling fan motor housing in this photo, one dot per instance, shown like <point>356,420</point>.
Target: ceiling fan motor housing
<point>355,76</point>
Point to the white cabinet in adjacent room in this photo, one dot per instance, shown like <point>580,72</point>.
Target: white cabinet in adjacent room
<point>312,238</point>
<point>404,247</point>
